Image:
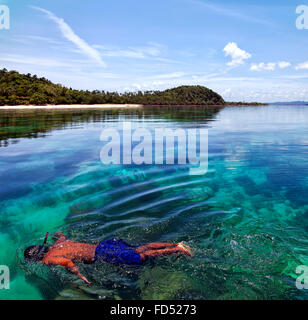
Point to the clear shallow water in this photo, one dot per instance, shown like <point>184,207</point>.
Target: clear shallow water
<point>246,219</point>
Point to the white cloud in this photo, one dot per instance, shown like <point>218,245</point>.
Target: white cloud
<point>261,89</point>
<point>263,66</point>
<point>137,86</point>
<point>149,51</point>
<point>270,66</point>
<point>70,35</point>
<point>302,66</point>
<point>227,93</point>
<point>284,64</point>
<point>122,53</point>
<point>233,13</point>
<point>237,55</point>
<point>19,59</point>
<point>172,75</point>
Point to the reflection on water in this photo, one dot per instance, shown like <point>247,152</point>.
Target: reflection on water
<point>246,219</point>
<point>15,124</point>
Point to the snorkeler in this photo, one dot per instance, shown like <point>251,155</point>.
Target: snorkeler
<point>66,252</point>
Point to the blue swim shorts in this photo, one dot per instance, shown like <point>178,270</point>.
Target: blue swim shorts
<point>117,251</point>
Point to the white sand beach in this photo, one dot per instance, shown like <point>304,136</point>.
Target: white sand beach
<point>74,106</point>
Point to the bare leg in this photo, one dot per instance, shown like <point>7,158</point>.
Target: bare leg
<point>155,246</point>
<point>163,252</point>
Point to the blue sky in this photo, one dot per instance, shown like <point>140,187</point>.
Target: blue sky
<point>244,50</point>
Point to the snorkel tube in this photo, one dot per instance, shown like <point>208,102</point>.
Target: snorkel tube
<point>44,243</point>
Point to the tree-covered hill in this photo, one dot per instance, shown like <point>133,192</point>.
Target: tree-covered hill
<point>184,95</point>
<point>25,89</point>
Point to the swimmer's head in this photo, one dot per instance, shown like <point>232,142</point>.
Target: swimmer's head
<point>35,253</point>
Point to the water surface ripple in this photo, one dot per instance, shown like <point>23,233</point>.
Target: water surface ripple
<point>246,219</point>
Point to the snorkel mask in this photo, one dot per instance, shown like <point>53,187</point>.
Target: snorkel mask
<point>36,253</point>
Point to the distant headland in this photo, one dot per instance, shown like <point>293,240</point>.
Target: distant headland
<point>293,103</point>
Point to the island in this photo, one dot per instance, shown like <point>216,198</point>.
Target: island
<point>18,89</point>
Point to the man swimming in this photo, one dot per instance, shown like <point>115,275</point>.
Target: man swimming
<point>65,252</point>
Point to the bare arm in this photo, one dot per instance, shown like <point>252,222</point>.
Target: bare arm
<point>68,264</point>
<point>59,236</point>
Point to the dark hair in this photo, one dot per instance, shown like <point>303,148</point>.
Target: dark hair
<point>35,253</point>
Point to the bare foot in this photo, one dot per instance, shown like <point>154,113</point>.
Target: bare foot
<point>185,248</point>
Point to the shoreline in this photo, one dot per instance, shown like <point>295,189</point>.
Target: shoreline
<point>73,106</point>
<point>113,106</point>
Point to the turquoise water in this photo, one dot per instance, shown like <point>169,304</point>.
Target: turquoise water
<point>246,219</point>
